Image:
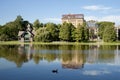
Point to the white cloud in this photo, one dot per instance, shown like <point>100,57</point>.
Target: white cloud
<point>95,72</point>
<point>87,18</point>
<point>54,20</point>
<point>112,18</point>
<point>96,7</point>
<point>91,73</point>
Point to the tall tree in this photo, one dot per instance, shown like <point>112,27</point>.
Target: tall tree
<point>66,32</point>
<point>42,35</point>
<point>109,34</point>
<point>102,26</point>
<point>81,33</point>
<point>86,33</point>
<point>37,24</point>
<point>18,22</point>
<point>53,29</point>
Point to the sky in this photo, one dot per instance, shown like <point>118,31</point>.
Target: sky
<point>52,10</point>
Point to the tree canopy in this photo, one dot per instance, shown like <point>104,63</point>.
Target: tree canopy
<point>57,32</point>
<point>106,31</point>
<point>66,31</point>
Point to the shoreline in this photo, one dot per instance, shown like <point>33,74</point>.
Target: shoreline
<point>58,43</point>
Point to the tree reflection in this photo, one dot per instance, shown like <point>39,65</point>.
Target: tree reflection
<point>71,56</point>
<point>10,53</point>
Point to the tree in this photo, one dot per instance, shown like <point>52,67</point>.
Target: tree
<point>10,30</point>
<point>86,33</point>
<point>109,34</point>
<point>107,31</point>
<point>66,32</point>
<point>37,24</point>
<point>53,29</point>
<point>42,35</point>
<point>18,22</point>
<point>81,33</point>
<point>102,26</point>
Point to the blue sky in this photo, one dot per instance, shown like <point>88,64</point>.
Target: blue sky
<point>52,10</point>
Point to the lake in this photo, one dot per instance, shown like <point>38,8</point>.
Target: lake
<point>59,62</point>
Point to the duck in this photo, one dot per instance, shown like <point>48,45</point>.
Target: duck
<point>55,71</point>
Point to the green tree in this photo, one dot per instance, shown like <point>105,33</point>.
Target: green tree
<point>81,33</point>
<point>102,26</point>
<point>37,24</point>
<point>42,35</point>
<point>66,32</point>
<point>109,34</point>
<point>106,31</point>
<point>10,30</point>
<point>86,33</point>
<point>53,29</point>
<point>18,22</point>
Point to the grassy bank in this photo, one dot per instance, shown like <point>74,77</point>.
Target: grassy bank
<point>58,43</point>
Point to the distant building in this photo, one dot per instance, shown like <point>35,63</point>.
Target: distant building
<point>26,35</point>
<point>75,19</point>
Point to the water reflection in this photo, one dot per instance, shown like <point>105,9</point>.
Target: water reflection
<point>70,56</point>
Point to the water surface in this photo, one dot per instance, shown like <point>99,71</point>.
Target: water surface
<point>73,62</point>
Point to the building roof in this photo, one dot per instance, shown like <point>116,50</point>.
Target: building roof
<point>73,16</point>
<point>20,33</point>
<point>23,32</point>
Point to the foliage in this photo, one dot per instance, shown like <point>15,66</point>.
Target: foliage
<point>10,30</point>
<point>107,31</point>
<point>66,32</point>
<point>37,24</point>
<point>42,35</point>
<point>54,31</point>
<point>102,26</point>
<point>81,33</point>
<point>109,34</point>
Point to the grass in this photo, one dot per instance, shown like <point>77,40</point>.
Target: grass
<point>59,43</point>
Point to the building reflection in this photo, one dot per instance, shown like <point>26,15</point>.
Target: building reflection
<point>75,60</point>
<point>117,55</point>
<point>71,57</point>
<point>92,54</point>
<point>26,49</point>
